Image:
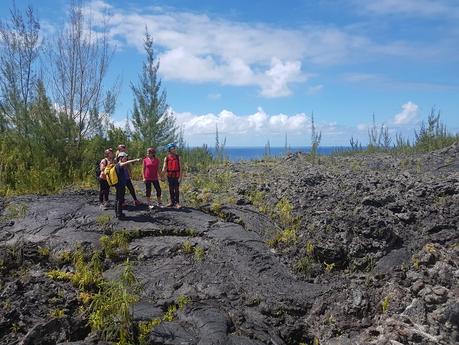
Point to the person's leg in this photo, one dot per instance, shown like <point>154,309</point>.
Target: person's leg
<point>158,191</point>
<point>148,192</point>
<point>105,190</point>
<point>101,192</point>
<point>177,195</point>
<point>170,181</point>
<point>132,191</point>
<point>120,193</point>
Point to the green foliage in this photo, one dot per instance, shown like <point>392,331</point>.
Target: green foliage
<point>103,220</point>
<point>110,310</point>
<point>87,273</point>
<point>385,304</point>
<point>182,301</point>
<point>199,253</point>
<point>315,140</point>
<point>170,313</point>
<point>113,245</point>
<point>305,264</point>
<point>433,135</point>
<point>14,211</point>
<point>187,247</point>
<point>219,147</point>
<point>64,257</point>
<point>43,251</point>
<point>59,275</point>
<point>283,212</point>
<point>145,328</point>
<point>329,267</point>
<point>154,125</point>
<point>57,313</point>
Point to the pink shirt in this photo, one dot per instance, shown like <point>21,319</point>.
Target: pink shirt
<point>150,169</point>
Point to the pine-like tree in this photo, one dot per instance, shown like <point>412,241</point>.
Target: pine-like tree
<point>154,123</point>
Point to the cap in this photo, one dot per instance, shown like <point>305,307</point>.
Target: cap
<point>171,146</point>
<point>122,154</point>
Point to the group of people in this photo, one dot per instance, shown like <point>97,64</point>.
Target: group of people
<point>151,175</point>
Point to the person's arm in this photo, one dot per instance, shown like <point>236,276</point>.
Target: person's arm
<point>102,165</point>
<point>164,165</point>
<point>143,170</point>
<point>130,162</point>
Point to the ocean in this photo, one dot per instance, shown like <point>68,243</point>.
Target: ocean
<point>252,153</point>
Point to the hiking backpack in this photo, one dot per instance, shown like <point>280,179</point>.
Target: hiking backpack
<point>98,171</point>
<point>111,174</point>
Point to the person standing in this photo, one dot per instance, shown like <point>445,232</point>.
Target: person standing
<point>130,187</point>
<point>150,174</point>
<point>123,177</point>
<point>104,188</point>
<point>171,167</point>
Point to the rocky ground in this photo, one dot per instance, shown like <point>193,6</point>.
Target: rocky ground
<point>358,249</point>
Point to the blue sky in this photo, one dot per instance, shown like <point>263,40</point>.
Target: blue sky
<point>258,69</point>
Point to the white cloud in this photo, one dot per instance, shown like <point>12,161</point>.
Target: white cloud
<point>425,8</point>
<point>199,48</point>
<point>214,96</point>
<point>408,115</point>
<point>230,123</point>
<point>314,90</point>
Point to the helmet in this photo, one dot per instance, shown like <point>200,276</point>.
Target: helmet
<point>171,146</point>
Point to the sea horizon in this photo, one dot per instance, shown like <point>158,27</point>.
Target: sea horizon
<point>236,153</point>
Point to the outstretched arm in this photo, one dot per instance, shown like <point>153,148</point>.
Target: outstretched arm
<point>130,162</point>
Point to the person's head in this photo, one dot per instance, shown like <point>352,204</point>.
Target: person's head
<point>171,147</point>
<point>122,148</point>
<point>151,151</point>
<point>122,157</point>
<point>108,153</point>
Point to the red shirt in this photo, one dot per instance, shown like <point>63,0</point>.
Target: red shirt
<point>150,169</point>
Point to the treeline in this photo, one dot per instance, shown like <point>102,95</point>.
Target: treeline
<point>431,135</point>
<point>56,107</point>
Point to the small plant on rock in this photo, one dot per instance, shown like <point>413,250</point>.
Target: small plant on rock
<point>170,314</point>
<point>187,247</point>
<point>182,301</point>
<point>58,313</point>
<point>43,251</point>
<point>103,220</point>
<point>199,253</point>
<point>385,304</point>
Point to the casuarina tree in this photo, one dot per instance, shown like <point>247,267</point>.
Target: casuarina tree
<point>153,122</point>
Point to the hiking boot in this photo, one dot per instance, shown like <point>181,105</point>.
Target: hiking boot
<point>151,207</point>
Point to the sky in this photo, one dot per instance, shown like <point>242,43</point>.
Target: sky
<point>259,69</point>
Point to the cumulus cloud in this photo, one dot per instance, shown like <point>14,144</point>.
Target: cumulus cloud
<point>230,123</point>
<point>408,115</point>
<point>198,48</point>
